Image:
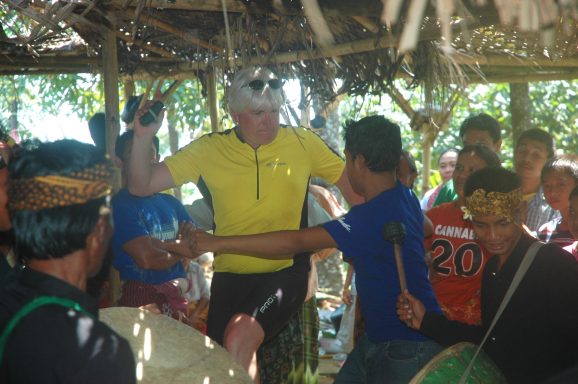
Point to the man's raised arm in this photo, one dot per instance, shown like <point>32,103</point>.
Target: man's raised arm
<point>145,178</point>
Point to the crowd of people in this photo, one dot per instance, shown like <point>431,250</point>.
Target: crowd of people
<point>461,247</point>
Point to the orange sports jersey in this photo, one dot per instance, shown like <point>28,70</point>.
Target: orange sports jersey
<point>457,262</point>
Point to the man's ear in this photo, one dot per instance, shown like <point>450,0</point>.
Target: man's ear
<point>360,161</point>
<point>98,236</point>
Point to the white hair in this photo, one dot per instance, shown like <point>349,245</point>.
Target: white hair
<point>241,97</point>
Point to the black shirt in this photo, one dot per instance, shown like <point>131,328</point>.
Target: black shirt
<point>537,334</point>
<point>54,344</point>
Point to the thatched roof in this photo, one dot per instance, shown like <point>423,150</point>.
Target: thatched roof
<point>185,38</point>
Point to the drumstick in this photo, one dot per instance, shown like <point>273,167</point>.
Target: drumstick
<point>395,232</point>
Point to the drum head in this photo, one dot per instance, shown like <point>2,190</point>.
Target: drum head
<point>167,351</point>
<point>448,366</point>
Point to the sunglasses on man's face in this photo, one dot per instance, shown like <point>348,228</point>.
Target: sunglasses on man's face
<point>258,85</point>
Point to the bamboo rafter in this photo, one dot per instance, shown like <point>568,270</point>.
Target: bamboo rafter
<point>178,32</point>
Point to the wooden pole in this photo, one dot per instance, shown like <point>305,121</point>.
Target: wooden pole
<point>426,145</point>
<point>212,99</point>
<point>178,32</point>
<point>110,79</point>
<point>520,108</point>
<point>366,23</point>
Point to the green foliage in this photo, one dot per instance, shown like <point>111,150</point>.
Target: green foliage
<point>191,109</point>
<point>84,92</point>
<point>12,24</point>
<point>29,98</point>
<point>189,112</point>
<point>553,109</point>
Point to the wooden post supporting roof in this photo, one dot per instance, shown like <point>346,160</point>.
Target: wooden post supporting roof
<point>110,79</point>
<point>429,136</point>
<point>520,108</point>
<point>212,99</point>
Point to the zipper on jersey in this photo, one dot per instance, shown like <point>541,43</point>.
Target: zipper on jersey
<point>257,168</point>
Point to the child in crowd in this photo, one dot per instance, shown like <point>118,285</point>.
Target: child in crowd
<point>559,178</point>
<point>446,165</point>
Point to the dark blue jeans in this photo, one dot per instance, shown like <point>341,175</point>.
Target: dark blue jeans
<point>396,361</point>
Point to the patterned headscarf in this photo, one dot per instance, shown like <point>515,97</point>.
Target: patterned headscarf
<point>484,203</point>
<point>43,192</point>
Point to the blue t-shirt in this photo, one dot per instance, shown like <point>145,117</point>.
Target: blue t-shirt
<point>359,235</point>
<point>157,216</point>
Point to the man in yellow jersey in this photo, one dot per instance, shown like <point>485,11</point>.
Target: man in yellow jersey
<point>255,177</point>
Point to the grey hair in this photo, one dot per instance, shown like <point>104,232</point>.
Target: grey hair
<point>241,97</point>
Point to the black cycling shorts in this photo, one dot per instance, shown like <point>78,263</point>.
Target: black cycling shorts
<point>271,298</point>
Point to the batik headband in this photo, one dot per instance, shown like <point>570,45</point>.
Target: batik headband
<point>484,203</point>
<point>43,192</point>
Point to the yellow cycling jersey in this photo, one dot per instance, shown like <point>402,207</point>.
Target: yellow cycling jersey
<point>255,190</point>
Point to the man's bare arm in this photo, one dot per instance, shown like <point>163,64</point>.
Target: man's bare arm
<point>148,253</point>
<point>145,178</point>
<point>272,245</point>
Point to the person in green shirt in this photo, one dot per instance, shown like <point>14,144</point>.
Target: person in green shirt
<point>476,129</point>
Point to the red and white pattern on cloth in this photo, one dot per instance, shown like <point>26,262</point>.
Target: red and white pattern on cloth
<point>166,296</point>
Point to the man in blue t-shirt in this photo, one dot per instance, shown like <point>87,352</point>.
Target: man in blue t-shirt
<point>389,351</point>
<point>145,251</point>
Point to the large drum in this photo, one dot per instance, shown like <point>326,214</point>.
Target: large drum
<point>448,366</point>
<point>167,351</point>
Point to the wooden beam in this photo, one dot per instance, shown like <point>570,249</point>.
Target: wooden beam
<point>111,111</point>
<point>144,45</point>
<point>401,101</point>
<point>148,19</point>
<point>329,7</point>
<point>52,61</point>
<point>334,51</point>
<point>492,65</point>
<point>59,71</point>
<point>368,24</point>
<point>212,99</point>
<point>367,45</point>
<point>524,77</point>
<point>428,139</point>
<point>522,66</point>
<point>511,61</point>
<point>110,79</point>
<point>520,109</point>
